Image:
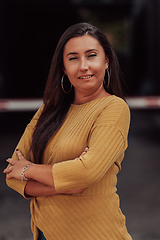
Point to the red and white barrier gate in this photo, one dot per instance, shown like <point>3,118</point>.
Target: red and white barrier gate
<point>23,105</point>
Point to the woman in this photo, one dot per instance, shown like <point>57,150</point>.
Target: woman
<point>71,151</point>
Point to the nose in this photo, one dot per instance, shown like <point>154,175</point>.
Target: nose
<point>83,65</point>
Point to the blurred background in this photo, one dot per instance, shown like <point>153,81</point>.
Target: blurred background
<point>29,32</point>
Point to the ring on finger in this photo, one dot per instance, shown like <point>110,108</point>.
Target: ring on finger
<point>9,169</point>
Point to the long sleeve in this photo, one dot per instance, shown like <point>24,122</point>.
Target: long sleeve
<point>107,142</point>
<point>24,146</point>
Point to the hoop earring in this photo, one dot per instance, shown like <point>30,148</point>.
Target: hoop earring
<point>62,79</point>
<point>108,78</point>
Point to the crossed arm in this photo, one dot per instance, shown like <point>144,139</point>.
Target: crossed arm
<point>41,182</point>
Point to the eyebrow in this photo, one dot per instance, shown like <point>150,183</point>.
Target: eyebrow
<point>74,53</point>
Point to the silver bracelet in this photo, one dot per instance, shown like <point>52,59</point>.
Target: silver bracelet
<point>23,170</point>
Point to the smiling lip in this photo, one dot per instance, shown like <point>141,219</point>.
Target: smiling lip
<point>86,77</point>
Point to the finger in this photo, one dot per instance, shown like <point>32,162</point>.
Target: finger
<point>11,161</point>
<point>8,170</point>
<point>85,151</point>
<point>9,175</point>
<point>19,154</point>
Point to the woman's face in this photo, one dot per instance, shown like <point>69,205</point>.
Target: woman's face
<point>85,64</point>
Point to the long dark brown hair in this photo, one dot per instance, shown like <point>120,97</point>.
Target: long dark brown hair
<point>56,101</point>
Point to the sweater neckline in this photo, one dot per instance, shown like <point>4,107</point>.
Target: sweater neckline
<point>93,101</point>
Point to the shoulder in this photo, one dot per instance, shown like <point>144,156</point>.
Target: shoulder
<point>115,107</point>
<point>115,112</point>
<point>117,102</point>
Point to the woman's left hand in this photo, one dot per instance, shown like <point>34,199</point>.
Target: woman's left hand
<point>15,168</point>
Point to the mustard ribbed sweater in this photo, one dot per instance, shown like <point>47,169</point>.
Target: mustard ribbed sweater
<point>102,125</point>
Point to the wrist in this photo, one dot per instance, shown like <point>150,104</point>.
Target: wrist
<point>41,173</point>
<point>24,173</point>
<point>30,171</point>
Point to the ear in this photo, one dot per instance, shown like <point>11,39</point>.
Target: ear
<point>106,62</point>
<point>64,70</point>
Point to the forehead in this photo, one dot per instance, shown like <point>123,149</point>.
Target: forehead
<point>82,43</point>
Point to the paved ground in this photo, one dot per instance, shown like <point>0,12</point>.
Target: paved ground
<point>138,182</point>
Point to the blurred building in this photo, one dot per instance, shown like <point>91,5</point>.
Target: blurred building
<point>30,30</point>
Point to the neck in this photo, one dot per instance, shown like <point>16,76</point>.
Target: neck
<point>81,98</point>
